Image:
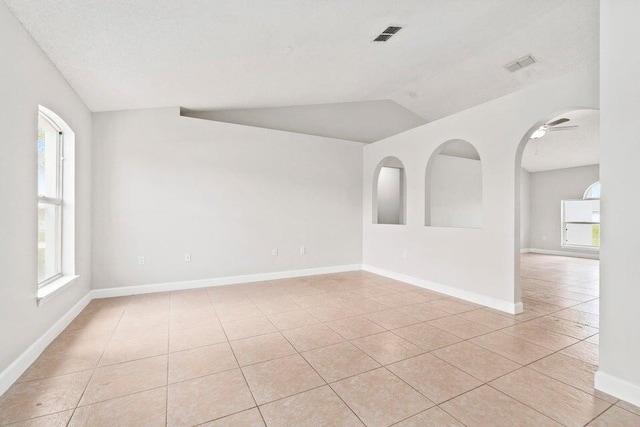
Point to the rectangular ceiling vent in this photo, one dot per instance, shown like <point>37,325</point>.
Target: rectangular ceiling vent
<point>387,33</point>
<point>519,64</point>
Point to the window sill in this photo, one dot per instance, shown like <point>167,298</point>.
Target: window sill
<point>47,292</point>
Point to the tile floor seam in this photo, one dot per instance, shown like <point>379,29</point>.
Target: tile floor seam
<point>326,383</point>
<point>98,365</point>
<point>255,402</point>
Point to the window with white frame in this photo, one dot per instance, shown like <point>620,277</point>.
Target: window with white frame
<point>50,186</point>
<point>581,220</point>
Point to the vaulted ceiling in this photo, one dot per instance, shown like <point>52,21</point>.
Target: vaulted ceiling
<point>247,54</point>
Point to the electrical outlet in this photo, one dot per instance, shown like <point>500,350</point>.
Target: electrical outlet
<point>405,254</point>
<point>303,250</point>
<point>274,252</point>
<point>544,237</point>
<point>187,257</point>
<point>140,260</point>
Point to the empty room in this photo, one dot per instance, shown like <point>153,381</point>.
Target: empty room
<point>319,213</point>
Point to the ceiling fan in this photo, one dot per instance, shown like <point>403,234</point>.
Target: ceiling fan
<point>551,127</point>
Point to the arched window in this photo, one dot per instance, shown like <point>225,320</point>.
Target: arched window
<point>581,220</point>
<point>389,201</point>
<point>593,192</point>
<point>56,189</point>
<point>453,186</point>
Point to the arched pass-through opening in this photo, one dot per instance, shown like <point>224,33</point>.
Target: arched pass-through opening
<point>543,137</point>
<point>389,192</point>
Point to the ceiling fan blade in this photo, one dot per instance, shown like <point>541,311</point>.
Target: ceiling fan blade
<point>558,122</point>
<point>553,129</point>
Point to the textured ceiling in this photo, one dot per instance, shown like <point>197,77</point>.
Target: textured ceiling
<point>366,121</point>
<point>240,54</point>
<point>566,149</point>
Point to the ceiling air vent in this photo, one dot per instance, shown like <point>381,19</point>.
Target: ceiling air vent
<point>519,64</point>
<point>387,33</point>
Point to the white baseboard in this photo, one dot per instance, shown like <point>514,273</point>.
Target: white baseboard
<point>221,281</point>
<point>525,250</point>
<point>595,255</point>
<point>506,306</point>
<point>18,366</point>
<point>617,387</point>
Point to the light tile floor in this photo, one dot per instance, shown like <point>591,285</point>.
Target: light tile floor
<point>334,350</point>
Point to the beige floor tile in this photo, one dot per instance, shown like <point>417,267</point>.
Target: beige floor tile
<point>454,306</point>
<point>585,351</point>
<point>542,296</point>
<point>565,327</point>
<point>460,327</point>
<point>487,407</point>
<point>249,418</point>
<point>147,408</point>
<point>355,327</point>
<point>292,319</point>
<point>59,419</point>
<point>483,364</point>
<point>542,337</point>
<point>387,347</point>
<point>119,380</point>
<point>238,312</point>
<point>379,398</point>
<point>201,361</point>
<point>192,319</point>
<point>128,349</point>
<point>426,336</point>
<point>434,417</point>
<point>207,398</point>
<point>246,328</point>
<point>185,339</point>
<point>563,403</point>
<point>572,371</point>
<point>402,299</point>
<point>362,306</point>
<point>277,305</point>
<point>261,348</point>
<point>434,378</point>
<point>617,417</point>
<point>329,313</point>
<point>280,378</point>
<point>311,337</point>
<point>594,339</point>
<point>53,363</point>
<point>23,401</point>
<point>317,407</point>
<point>488,319</point>
<point>591,307</point>
<point>516,349</point>
<point>339,361</point>
<point>423,311</point>
<point>629,407</point>
<point>391,319</point>
<point>581,317</point>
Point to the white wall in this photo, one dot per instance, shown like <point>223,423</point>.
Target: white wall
<point>456,192</point>
<point>166,185</point>
<point>525,208</point>
<point>476,263</point>
<point>548,189</point>
<point>620,176</point>
<point>29,79</point>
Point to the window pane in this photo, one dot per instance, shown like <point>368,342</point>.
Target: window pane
<point>48,241</point>
<point>593,192</point>
<point>48,159</point>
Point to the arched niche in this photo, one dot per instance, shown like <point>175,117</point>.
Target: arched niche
<point>389,192</point>
<point>453,186</point>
